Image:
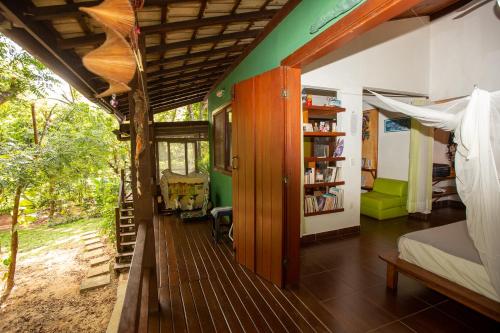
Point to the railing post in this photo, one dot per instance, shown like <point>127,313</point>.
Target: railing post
<point>117,228</point>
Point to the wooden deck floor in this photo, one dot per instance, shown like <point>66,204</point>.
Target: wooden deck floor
<point>202,289</point>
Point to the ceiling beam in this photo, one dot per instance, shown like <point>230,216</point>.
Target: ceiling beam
<point>208,21</point>
<point>156,93</point>
<point>185,77</point>
<point>179,69</point>
<point>174,98</point>
<point>230,49</point>
<point>204,40</point>
<point>71,10</point>
<point>169,88</point>
<point>166,107</point>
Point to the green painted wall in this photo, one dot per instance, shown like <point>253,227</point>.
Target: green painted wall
<point>289,35</point>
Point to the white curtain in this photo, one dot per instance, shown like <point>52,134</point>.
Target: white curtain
<point>476,123</point>
<point>420,169</point>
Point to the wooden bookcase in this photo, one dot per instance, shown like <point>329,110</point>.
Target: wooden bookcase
<point>312,139</point>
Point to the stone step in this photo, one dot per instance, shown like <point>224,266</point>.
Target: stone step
<point>95,282</point>
<point>98,270</point>
<point>88,233</point>
<point>99,260</point>
<point>87,237</point>
<point>94,247</point>
<point>93,254</point>
<point>92,241</point>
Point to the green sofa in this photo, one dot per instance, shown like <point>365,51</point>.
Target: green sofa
<point>387,200</point>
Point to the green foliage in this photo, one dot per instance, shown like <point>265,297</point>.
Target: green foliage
<point>21,75</point>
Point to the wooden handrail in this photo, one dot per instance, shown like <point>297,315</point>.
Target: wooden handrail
<point>133,305</point>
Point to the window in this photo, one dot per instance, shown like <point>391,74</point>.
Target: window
<point>222,122</point>
<point>182,157</point>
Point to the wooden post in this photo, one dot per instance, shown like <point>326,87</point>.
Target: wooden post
<point>392,277</point>
<point>117,228</point>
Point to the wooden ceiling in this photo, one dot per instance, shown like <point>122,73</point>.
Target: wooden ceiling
<point>190,44</point>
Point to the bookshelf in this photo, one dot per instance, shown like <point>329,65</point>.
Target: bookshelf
<point>323,146</point>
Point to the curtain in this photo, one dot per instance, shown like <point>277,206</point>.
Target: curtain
<point>420,170</point>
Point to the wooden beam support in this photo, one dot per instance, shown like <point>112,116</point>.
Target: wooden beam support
<point>222,50</point>
<point>184,85</point>
<point>177,99</point>
<point>156,93</point>
<point>208,21</point>
<point>199,65</point>
<point>367,16</point>
<point>204,40</point>
<point>172,98</point>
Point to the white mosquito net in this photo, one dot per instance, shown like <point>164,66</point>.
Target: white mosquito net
<point>476,123</point>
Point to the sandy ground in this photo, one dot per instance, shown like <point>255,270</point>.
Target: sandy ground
<point>47,297</point>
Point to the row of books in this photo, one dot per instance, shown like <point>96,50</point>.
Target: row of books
<point>325,175</point>
<point>334,199</point>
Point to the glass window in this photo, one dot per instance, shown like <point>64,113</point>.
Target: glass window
<point>178,158</point>
<point>191,157</point>
<point>222,122</point>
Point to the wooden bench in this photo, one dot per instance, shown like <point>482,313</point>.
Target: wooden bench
<point>469,298</point>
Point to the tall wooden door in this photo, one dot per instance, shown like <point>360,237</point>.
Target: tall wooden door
<point>266,233</point>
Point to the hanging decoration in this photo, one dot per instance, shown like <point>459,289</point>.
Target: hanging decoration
<point>115,60</point>
<point>117,15</point>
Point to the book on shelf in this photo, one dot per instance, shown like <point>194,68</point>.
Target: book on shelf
<point>324,202</point>
<point>333,174</point>
<point>309,176</point>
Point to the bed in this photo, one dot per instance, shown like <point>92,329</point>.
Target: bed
<point>445,259</point>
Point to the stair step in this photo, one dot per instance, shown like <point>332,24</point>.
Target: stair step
<point>127,209</point>
<point>124,254</point>
<point>126,217</point>
<point>125,234</point>
<point>127,243</point>
<point>130,225</point>
<point>121,266</point>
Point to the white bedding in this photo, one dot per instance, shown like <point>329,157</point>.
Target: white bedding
<point>464,272</point>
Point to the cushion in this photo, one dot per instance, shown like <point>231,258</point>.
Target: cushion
<point>391,187</point>
<point>380,201</point>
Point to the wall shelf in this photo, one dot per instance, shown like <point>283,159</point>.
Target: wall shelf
<point>323,159</point>
<point>323,108</point>
<point>323,134</point>
<point>325,212</point>
<point>316,185</point>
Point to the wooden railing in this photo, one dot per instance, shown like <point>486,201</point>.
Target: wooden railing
<point>121,199</point>
<point>141,295</point>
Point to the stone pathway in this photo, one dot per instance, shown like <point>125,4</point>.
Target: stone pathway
<point>98,274</point>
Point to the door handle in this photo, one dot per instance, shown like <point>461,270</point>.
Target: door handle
<point>234,164</point>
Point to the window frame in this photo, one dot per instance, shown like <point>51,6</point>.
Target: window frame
<point>227,169</point>
<point>196,146</point>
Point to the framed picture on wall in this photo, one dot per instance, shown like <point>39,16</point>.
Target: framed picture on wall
<point>397,124</point>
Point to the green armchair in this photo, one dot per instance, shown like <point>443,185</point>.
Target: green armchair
<point>387,200</point>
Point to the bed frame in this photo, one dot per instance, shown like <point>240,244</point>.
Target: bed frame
<point>454,291</point>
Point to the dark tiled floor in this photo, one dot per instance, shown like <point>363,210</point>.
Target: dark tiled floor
<point>348,279</point>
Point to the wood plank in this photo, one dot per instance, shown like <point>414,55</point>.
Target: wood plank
<point>195,55</point>
<point>368,15</point>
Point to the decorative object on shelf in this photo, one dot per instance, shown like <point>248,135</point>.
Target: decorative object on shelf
<point>309,100</point>
<point>339,149</point>
<point>397,124</point>
<point>308,127</point>
<point>220,93</point>
<point>333,101</point>
<point>338,9</point>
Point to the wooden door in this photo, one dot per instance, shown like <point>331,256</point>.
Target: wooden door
<point>265,230</point>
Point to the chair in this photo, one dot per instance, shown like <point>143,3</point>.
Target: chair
<point>387,200</point>
<point>218,214</point>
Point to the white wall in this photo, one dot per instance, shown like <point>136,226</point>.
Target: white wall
<point>393,56</point>
<point>464,52</point>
